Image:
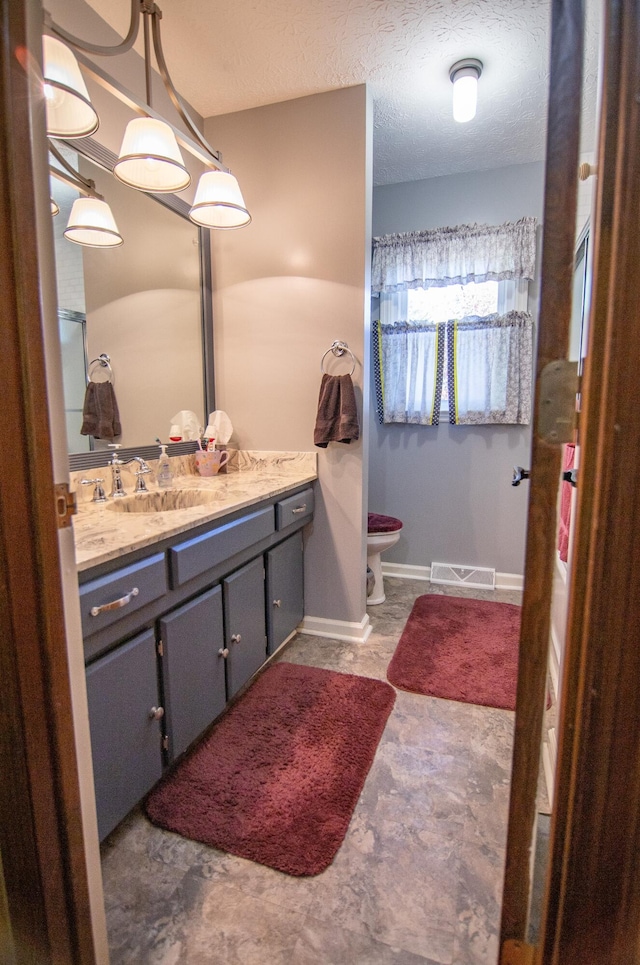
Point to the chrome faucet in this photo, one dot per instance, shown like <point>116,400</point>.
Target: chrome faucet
<point>117,489</point>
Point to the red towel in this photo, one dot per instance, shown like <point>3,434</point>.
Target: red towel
<point>565,504</point>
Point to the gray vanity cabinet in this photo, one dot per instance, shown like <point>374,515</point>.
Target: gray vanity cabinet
<point>245,629</point>
<point>126,737</point>
<point>193,669</point>
<point>285,590</point>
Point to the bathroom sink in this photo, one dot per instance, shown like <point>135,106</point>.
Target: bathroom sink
<point>162,502</point>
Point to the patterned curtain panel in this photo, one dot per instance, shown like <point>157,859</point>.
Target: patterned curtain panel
<point>454,256</point>
<point>409,367</point>
<point>490,369</point>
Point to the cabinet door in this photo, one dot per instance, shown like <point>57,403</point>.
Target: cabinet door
<point>122,690</point>
<point>193,669</point>
<point>285,590</point>
<point>245,623</point>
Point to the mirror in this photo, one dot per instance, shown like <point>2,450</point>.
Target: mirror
<point>146,305</point>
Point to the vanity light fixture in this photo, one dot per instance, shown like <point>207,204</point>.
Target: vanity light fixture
<point>70,113</point>
<point>218,202</point>
<point>91,222</point>
<point>464,76</point>
<point>55,207</point>
<point>150,157</point>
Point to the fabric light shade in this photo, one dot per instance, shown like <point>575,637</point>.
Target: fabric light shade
<point>464,76</point>
<point>150,159</point>
<point>70,112</point>
<point>218,202</point>
<point>91,223</point>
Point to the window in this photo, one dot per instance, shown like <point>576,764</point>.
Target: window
<point>453,329</point>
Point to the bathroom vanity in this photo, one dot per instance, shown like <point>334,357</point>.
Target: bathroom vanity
<point>179,610</point>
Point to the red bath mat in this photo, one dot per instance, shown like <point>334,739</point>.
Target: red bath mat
<point>277,779</point>
<point>460,649</point>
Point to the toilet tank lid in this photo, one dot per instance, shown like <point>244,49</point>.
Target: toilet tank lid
<point>377,523</point>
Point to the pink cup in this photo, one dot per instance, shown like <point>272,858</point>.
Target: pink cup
<point>210,463</point>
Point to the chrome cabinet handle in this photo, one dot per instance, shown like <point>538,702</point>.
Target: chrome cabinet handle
<point>156,713</point>
<point>115,604</point>
<point>223,652</point>
<point>235,638</point>
<point>299,509</point>
<point>518,475</point>
<point>277,602</point>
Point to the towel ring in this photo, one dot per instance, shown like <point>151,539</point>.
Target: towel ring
<point>338,348</point>
<point>104,361</point>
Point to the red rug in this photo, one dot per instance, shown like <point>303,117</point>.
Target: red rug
<point>459,649</point>
<point>277,779</point>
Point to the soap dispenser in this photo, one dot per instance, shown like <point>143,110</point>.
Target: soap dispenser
<point>164,474</point>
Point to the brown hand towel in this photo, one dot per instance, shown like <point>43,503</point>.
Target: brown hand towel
<point>337,419</point>
<point>101,418</point>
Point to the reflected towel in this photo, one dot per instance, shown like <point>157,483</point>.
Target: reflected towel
<point>337,419</point>
<point>565,504</point>
<point>100,416</point>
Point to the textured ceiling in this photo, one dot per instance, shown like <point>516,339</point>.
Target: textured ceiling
<point>232,55</point>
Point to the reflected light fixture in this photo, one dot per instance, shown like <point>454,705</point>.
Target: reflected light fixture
<point>91,222</point>
<point>55,207</point>
<point>150,158</point>
<point>464,76</point>
<point>70,113</point>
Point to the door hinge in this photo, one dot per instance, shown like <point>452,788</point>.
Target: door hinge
<point>66,505</point>
<point>160,648</point>
<point>557,410</point>
<point>165,743</point>
<point>515,952</point>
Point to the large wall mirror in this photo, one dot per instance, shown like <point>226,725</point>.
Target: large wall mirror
<point>146,305</point>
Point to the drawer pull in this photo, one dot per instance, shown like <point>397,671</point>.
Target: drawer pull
<point>235,638</point>
<point>156,713</point>
<point>115,604</point>
<point>223,652</point>
<point>277,602</point>
<point>299,509</point>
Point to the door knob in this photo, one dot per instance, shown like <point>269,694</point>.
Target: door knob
<point>156,713</point>
<point>223,652</point>
<point>277,602</point>
<point>235,638</point>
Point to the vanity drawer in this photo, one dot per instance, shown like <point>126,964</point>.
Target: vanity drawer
<point>294,508</point>
<point>111,597</point>
<point>196,556</point>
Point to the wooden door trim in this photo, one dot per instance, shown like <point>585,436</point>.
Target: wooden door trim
<point>592,904</point>
<point>560,205</point>
<point>45,909</point>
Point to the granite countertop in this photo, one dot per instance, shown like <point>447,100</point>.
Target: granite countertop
<point>102,534</point>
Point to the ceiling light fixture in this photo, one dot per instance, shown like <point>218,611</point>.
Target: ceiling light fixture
<point>464,76</point>
<point>150,158</point>
<point>70,112</point>
<point>91,222</point>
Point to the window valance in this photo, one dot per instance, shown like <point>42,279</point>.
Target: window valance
<point>454,256</point>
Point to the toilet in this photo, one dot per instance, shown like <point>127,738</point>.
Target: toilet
<point>383,532</point>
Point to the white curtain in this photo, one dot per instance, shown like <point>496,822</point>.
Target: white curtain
<point>454,256</point>
<point>410,372</point>
<point>490,369</point>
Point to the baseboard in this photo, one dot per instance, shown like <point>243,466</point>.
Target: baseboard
<point>337,629</point>
<point>406,571</point>
<point>411,571</point>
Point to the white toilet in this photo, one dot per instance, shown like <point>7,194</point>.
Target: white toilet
<point>383,532</point>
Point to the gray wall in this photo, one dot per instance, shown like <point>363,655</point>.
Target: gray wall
<point>285,287</point>
<point>451,485</point>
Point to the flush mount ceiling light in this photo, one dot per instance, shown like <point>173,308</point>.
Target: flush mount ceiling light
<point>91,222</point>
<point>464,76</point>
<point>150,158</point>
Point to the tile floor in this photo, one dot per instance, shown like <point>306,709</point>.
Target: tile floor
<point>418,878</point>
